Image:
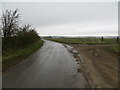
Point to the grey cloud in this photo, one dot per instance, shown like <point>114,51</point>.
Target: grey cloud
<point>43,14</point>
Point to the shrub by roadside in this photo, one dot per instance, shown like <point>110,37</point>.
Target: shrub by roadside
<point>17,42</point>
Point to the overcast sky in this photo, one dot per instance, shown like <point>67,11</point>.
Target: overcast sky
<point>68,18</point>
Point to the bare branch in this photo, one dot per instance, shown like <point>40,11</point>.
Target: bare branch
<point>10,22</point>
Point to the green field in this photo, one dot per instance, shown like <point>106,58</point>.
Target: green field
<point>90,41</point>
<point>85,40</point>
<point>12,57</point>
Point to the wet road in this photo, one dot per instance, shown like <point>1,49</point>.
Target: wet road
<point>52,66</point>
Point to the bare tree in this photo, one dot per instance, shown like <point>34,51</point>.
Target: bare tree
<point>10,23</point>
<point>26,28</point>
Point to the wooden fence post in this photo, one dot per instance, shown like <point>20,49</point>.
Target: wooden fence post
<point>117,39</point>
<point>102,39</point>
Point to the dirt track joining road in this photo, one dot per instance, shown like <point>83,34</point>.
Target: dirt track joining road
<point>100,65</point>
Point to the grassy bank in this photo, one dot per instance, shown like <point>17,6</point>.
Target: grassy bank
<point>12,57</point>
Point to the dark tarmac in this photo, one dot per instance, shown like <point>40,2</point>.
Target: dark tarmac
<point>52,66</point>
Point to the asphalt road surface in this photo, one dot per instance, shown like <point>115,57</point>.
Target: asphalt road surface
<point>52,66</point>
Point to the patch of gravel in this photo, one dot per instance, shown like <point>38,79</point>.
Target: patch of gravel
<point>80,61</point>
<point>75,53</point>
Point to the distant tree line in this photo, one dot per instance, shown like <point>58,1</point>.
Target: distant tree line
<point>14,36</point>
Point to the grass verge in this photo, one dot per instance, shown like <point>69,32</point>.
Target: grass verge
<point>114,49</point>
<point>13,57</point>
